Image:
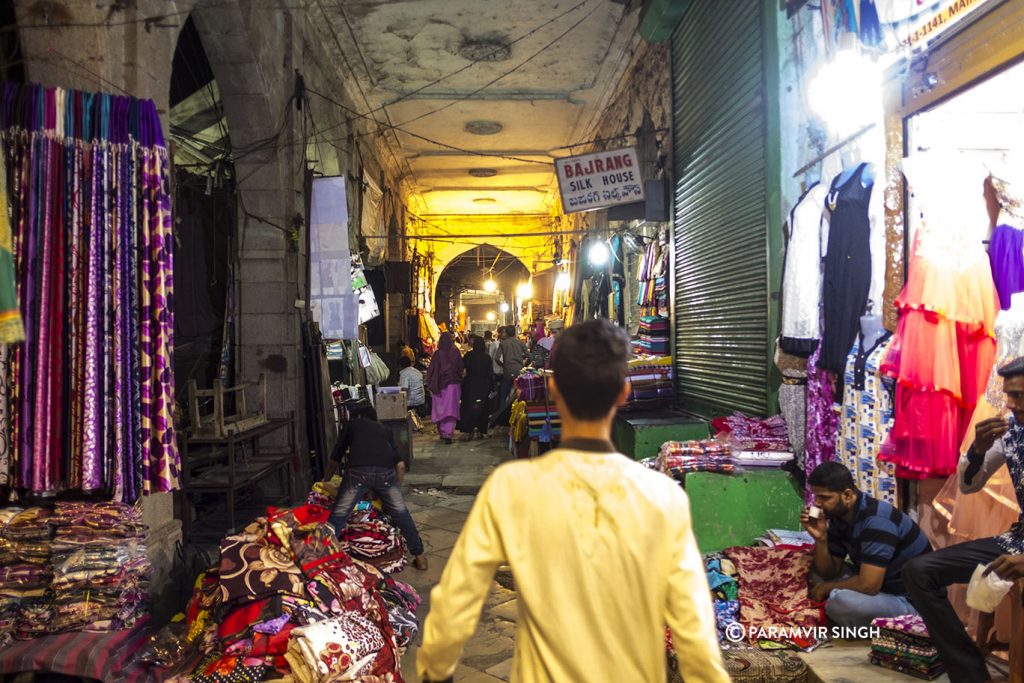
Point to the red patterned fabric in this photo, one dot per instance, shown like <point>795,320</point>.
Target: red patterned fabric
<point>773,589</point>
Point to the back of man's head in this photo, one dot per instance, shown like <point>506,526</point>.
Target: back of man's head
<point>404,362</point>
<point>488,335</point>
<point>590,368</point>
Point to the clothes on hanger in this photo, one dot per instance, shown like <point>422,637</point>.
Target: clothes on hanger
<point>801,281</point>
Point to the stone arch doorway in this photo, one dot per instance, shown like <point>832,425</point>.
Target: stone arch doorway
<point>466,275</point>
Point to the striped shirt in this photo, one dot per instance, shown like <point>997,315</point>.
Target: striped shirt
<point>881,536</point>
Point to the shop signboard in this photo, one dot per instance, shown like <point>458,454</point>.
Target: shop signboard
<point>948,14</point>
<point>599,180</point>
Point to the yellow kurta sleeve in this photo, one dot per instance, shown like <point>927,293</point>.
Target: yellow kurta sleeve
<point>689,613</point>
<point>456,601</point>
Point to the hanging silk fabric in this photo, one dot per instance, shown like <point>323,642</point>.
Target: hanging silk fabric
<point>91,391</point>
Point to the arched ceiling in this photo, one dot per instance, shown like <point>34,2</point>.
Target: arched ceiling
<point>483,93</point>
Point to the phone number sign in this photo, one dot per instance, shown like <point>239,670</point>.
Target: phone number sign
<point>599,180</point>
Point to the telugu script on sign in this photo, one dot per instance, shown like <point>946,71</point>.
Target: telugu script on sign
<point>599,180</point>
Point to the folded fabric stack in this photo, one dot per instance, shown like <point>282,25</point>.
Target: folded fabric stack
<point>754,434</point>
<point>339,649</point>
<point>531,385</point>
<point>537,414</point>
<point>100,567</point>
<point>22,584</point>
<point>403,601</point>
<point>323,493</point>
<point>721,574</point>
<point>650,383</point>
<point>903,645</point>
<point>372,537</point>
<point>676,458</point>
<point>652,336</point>
<point>286,600</point>
<point>27,541</point>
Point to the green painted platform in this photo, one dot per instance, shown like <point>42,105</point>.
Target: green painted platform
<point>640,435</point>
<point>734,509</point>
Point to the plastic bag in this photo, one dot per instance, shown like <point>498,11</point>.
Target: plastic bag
<point>984,593</point>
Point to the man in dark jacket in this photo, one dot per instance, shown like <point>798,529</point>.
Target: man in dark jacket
<point>373,464</point>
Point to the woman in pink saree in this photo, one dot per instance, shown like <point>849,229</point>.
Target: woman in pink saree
<point>444,380</point>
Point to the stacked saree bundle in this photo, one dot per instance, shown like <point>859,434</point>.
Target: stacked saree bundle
<point>371,537</point>
<point>652,336</point>
<point>100,567</point>
<point>25,597</point>
<point>650,383</point>
<point>944,345</point>
<point>676,458</point>
<point>286,599</point>
<point>903,645</point>
<point>88,398</point>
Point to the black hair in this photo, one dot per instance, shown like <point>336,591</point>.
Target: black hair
<point>590,367</point>
<point>479,344</point>
<point>365,412</point>
<point>488,335</point>
<point>401,342</point>
<point>404,362</point>
<point>1014,368</point>
<point>833,476</point>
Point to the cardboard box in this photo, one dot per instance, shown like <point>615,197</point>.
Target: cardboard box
<point>392,406</point>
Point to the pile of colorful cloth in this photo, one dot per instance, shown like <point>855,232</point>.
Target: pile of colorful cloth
<point>531,385</point>
<point>773,595</point>
<point>676,458</point>
<point>371,537</point>
<point>721,574</point>
<point>100,566</point>
<point>652,336</point>
<point>652,276</point>
<point>79,567</point>
<point>25,573</point>
<point>753,434</point>
<point>286,599</point>
<point>903,645</point>
<point>650,383</point>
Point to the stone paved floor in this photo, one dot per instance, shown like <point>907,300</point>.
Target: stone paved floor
<point>440,489</point>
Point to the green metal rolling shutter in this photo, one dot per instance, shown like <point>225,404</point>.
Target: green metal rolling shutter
<point>721,227</point>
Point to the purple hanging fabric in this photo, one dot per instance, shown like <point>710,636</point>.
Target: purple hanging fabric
<point>822,418</point>
<point>1004,254</point>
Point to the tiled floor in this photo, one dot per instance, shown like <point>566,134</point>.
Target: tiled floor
<point>439,490</point>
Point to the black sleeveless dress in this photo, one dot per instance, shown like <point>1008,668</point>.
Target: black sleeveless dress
<point>847,272</point>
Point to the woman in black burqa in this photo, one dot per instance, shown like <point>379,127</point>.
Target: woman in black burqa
<point>477,386</point>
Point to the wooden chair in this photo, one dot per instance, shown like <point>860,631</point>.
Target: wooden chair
<point>217,424</point>
<point>986,622</point>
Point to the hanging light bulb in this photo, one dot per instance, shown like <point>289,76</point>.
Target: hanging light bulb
<point>598,254</point>
<point>504,307</point>
<point>525,290</point>
<point>462,309</point>
<point>492,316</point>
<point>490,286</point>
<point>563,282</point>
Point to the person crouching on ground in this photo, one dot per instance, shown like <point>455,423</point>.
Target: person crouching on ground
<point>601,548</point>
<point>373,464</point>
<point>877,539</point>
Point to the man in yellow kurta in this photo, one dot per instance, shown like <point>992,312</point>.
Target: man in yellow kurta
<point>601,548</point>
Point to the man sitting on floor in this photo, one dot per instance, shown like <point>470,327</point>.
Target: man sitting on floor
<point>877,538</point>
<point>996,441</point>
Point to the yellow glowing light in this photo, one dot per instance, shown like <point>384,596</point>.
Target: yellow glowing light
<point>504,307</point>
<point>492,316</point>
<point>462,309</point>
<point>525,290</point>
<point>490,286</point>
<point>563,282</point>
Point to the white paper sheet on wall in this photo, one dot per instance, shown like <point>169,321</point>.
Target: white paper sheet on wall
<point>332,301</point>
